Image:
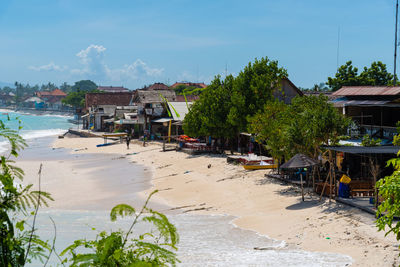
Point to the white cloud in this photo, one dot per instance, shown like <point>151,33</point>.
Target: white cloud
<point>92,60</point>
<point>93,66</point>
<point>138,70</point>
<point>49,67</point>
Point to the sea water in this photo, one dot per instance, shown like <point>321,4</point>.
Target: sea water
<point>33,126</point>
<point>205,240</point>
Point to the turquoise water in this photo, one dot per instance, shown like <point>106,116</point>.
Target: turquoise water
<point>34,126</point>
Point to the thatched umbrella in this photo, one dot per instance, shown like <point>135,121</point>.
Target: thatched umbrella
<point>299,161</point>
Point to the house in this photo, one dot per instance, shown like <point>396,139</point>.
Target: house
<point>151,104</point>
<point>287,91</point>
<point>101,109</point>
<point>113,89</point>
<point>375,109</point>
<point>52,99</point>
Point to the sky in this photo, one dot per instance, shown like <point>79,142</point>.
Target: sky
<point>138,42</point>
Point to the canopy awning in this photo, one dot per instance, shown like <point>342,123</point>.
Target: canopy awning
<point>86,115</point>
<point>125,121</point>
<point>365,149</point>
<point>109,120</point>
<point>161,120</point>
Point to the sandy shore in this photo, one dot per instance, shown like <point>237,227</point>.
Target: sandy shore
<point>188,184</point>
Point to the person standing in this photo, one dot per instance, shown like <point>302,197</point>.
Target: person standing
<point>128,140</point>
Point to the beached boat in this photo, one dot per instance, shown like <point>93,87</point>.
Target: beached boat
<point>260,166</point>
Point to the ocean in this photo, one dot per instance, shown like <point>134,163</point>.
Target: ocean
<point>205,240</point>
<point>34,126</point>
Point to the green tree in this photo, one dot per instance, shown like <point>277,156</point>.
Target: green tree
<point>75,99</point>
<point>65,87</point>
<point>302,127</point>
<point>269,125</point>
<point>389,190</point>
<point>84,85</point>
<point>252,88</point>
<point>209,114</point>
<point>225,106</point>
<point>347,75</point>
<point>376,74</point>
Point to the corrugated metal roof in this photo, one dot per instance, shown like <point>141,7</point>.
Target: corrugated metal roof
<point>367,90</point>
<point>341,103</point>
<point>365,149</point>
<point>180,108</point>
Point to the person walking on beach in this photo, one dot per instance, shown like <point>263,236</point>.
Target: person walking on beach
<point>128,140</point>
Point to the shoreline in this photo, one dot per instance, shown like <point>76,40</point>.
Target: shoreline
<point>258,204</point>
<point>35,112</point>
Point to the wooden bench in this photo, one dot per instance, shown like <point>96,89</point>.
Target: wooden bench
<point>362,192</point>
<point>361,188</point>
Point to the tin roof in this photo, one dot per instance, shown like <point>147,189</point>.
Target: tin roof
<point>117,99</point>
<point>179,109</point>
<point>113,89</point>
<point>367,90</point>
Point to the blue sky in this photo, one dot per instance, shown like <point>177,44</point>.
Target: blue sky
<point>133,43</point>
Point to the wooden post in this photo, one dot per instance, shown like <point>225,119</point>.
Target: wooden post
<point>164,139</point>
<point>169,131</point>
<point>302,189</point>
<point>326,180</point>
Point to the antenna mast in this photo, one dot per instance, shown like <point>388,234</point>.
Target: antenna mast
<point>395,43</point>
<point>337,51</point>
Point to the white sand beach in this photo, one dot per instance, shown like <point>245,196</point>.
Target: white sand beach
<point>188,185</point>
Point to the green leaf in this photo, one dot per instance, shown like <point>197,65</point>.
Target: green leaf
<point>121,210</point>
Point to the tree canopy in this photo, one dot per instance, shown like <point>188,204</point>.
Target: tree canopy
<point>84,85</point>
<point>226,105</point>
<point>302,127</point>
<point>347,75</point>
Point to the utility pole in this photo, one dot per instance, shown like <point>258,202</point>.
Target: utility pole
<point>395,43</point>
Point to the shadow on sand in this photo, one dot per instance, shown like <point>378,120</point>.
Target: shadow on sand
<point>305,204</point>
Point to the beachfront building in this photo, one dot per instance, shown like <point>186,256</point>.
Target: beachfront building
<point>151,107</point>
<point>113,89</point>
<point>374,109</point>
<point>100,109</point>
<point>52,100</point>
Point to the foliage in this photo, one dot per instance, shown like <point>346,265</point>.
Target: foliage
<point>84,85</point>
<point>188,90</point>
<point>302,127</point>
<point>17,244</point>
<point>268,126</point>
<point>225,106</point>
<point>376,74</point>
<point>368,141</point>
<point>118,248</point>
<point>347,75</point>
<point>389,190</point>
<point>209,114</point>
<point>75,99</point>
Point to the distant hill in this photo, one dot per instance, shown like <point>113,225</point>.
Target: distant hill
<point>3,84</point>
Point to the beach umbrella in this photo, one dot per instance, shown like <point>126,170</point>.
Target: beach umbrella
<point>299,161</point>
